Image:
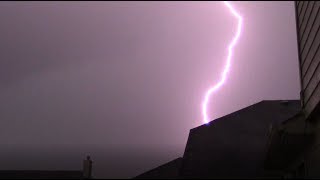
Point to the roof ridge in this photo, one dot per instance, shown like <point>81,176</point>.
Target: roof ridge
<point>244,109</point>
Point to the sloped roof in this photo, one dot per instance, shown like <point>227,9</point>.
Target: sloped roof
<point>168,170</point>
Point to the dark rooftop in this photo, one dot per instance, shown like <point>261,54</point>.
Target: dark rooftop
<point>231,146</point>
<point>36,174</point>
<point>235,145</point>
<point>165,171</point>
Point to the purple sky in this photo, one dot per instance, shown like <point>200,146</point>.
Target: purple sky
<point>124,81</point>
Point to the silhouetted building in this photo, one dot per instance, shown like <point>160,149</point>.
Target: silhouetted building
<point>299,136</point>
<point>36,174</point>
<point>45,174</point>
<point>235,145</point>
<point>287,144</point>
<point>232,146</point>
<point>167,171</point>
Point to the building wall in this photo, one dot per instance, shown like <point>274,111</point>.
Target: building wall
<point>234,146</point>
<point>308,37</point>
<point>308,27</point>
<point>312,156</point>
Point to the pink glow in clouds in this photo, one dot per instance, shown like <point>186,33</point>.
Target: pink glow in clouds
<point>227,66</point>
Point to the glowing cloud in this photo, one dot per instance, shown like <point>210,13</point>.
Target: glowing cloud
<point>227,66</point>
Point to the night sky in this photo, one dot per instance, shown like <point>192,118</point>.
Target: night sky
<point>124,81</point>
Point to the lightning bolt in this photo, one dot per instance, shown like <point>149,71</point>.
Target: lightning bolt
<point>226,69</point>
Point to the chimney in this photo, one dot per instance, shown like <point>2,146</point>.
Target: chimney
<point>87,168</point>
